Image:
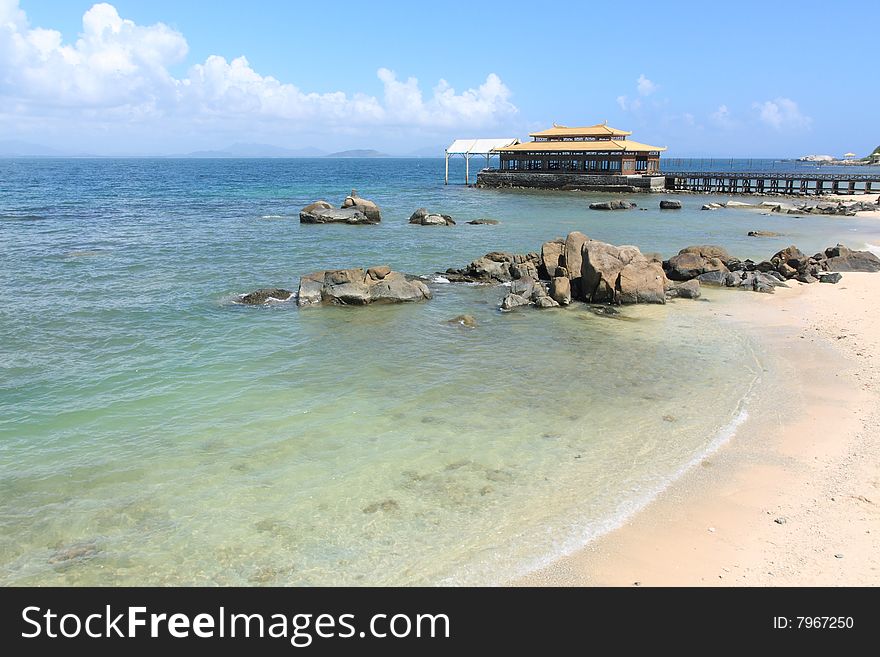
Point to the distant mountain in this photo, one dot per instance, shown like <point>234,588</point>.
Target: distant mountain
<point>358,153</point>
<point>257,150</point>
<point>16,148</point>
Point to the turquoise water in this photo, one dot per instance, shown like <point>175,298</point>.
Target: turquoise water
<point>152,432</point>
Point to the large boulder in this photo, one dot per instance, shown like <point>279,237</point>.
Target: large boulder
<point>422,217</point>
<point>512,301</point>
<point>356,287</point>
<point>367,207</point>
<point>684,289</point>
<point>790,261</point>
<point>572,252</point>
<point>840,258</point>
<point>670,204</point>
<point>612,274</point>
<point>552,256</point>
<point>264,295</point>
<point>695,260</point>
<point>560,290</point>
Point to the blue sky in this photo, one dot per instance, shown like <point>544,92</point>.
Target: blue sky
<point>750,79</point>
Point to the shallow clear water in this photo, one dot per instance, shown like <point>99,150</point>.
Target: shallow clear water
<point>151,432</point>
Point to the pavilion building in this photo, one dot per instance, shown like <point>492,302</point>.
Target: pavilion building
<point>597,149</point>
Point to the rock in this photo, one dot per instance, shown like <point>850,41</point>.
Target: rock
<point>552,257</point>
<point>789,261</point>
<point>356,287</point>
<point>764,233</point>
<point>572,253</point>
<point>711,206</point>
<point>310,287</point>
<point>422,217</point>
<point>612,205</point>
<point>546,302</point>
<point>484,222</point>
<point>805,277</point>
<point>351,216</point>
<point>612,274</point>
<point>830,277</point>
<point>527,287</point>
<point>684,290</point>
<point>718,279</point>
<point>840,258</point>
<point>366,207</point>
<point>709,251</point>
<point>737,204</point>
<point>378,273</point>
<point>468,321</point>
<point>265,295</point>
<point>668,204</point>
<point>312,208</point>
<point>491,268</point>
<point>523,270</point>
<point>512,301</point>
<point>560,290</point>
<point>685,266</point>
<point>780,520</point>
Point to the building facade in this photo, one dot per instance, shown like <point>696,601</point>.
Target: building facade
<point>597,150</point>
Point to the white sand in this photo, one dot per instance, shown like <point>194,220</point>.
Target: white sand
<point>815,466</point>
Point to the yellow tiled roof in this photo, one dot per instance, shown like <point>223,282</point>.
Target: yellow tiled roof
<point>624,145</point>
<point>598,130</point>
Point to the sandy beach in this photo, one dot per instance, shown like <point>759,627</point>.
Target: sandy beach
<point>794,497</point>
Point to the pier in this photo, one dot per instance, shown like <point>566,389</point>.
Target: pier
<point>792,184</point>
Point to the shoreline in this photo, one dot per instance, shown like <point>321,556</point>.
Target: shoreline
<point>793,498</point>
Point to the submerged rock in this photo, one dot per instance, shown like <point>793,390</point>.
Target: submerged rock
<point>612,205</point>
<point>423,217</point>
<point>351,216</point>
<point>484,222</point>
<point>764,233</point>
<point>468,321</point>
<point>265,295</point>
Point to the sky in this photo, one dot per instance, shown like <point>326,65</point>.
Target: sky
<point>705,79</point>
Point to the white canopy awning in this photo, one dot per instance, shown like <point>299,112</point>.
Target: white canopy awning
<point>479,146</point>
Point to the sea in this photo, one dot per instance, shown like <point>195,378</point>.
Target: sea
<point>154,432</point>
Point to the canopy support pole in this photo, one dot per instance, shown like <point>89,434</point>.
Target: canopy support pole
<point>447,170</point>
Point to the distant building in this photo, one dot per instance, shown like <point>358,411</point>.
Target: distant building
<point>596,149</point>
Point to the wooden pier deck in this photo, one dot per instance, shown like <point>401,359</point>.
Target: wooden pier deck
<point>793,184</point>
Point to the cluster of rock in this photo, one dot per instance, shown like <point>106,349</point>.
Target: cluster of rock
<point>422,217</point>
<point>841,208</point>
<point>574,268</point>
<point>712,265</point>
<point>354,210</point>
<point>360,287</point>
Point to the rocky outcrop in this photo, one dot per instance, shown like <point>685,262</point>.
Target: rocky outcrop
<point>744,280</point>
<point>612,205</point>
<point>265,295</point>
<point>841,208</point>
<point>364,206</point>
<point>359,287</point>
<point>620,275</point>
<point>840,258</point>
<point>422,217</point>
<point>695,260</point>
<point>670,204</point>
<point>496,267</point>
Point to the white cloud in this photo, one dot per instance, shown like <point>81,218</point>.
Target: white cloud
<point>722,117</point>
<point>117,68</point>
<point>645,86</point>
<point>626,104</point>
<point>782,114</point>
